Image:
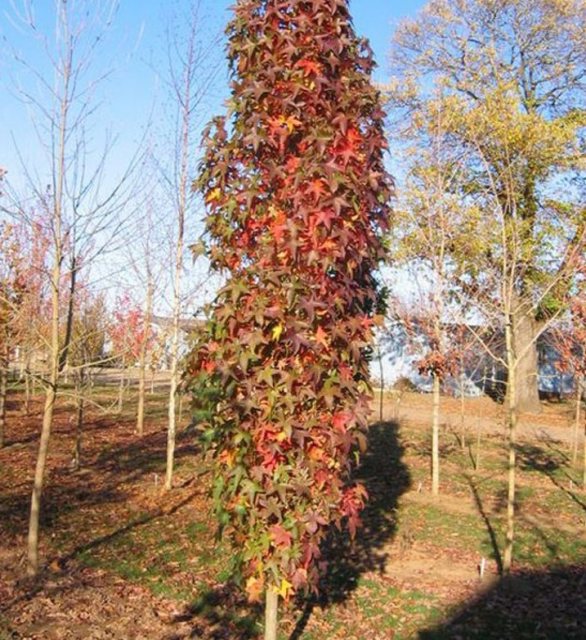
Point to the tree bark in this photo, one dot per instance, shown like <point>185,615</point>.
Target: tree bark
<point>382,383</point>
<point>271,615</point>
<point>462,408</point>
<point>171,429</point>
<point>70,311</point>
<point>526,370</point>
<point>142,359</point>
<point>584,461</point>
<point>121,391</point>
<point>577,420</point>
<point>80,383</point>
<point>512,446</point>
<point>435,436</point>
<point>27,389</point>
<point>50,397</point>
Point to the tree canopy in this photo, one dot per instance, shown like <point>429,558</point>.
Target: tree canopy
<point>506,78</point>
<point>298,199</point>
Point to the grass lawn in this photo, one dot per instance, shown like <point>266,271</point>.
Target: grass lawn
<point>126,560</point>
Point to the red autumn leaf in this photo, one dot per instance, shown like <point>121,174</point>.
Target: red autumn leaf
<point>310,67</point>
<point>280,536</point>
<point>321,336</point>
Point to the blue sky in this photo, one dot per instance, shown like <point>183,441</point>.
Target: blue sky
<point>130,101</point>
<point>133,47</point>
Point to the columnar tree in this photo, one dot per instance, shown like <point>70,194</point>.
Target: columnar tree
<point>298,199</point>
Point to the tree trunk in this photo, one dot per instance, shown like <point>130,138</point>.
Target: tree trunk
<point>526,370</point>
<point>172,428</point>
<point>3,392</point>
<point>27,391</point>
<point>462,409</point>
<point>512,444</point>
<point>80,389</point>
<point>577,420</point>
<point>584,461</point>
<point>478,446</point>
<point>50,397</point>
<point>435,436</point>
<point>142,359</point>
<point>271,615</point>
<point>33,530</point>
<point>382,383</point>
<point>121,391</point>
<point>70,309</point>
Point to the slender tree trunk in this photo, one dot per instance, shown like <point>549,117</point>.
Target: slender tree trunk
<point>382,383</point>
<point>172,427</point>
<point>435,462</point>
<point>121,391</point>
<point>577,420</point>
<point>27,390</point>
<point>271,615</point>
<point>70,310</point>
<point>50,398</point>
<point>526,371</point>
<point>3,391</point>
<point>142,358</point>
<point>462,409</point>
<point>184,95</point>
<point>80,389</point>
<point>478,443</point>
<point>512,446</point>
<point>580,387</point>
<point>181,403</point>
<point>584,461</point>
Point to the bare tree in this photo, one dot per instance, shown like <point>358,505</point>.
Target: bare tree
<point>431,226</point>
<point>147,271</point>
<point>82,210</point>
<point>504,310</point>
<point>190,73</point>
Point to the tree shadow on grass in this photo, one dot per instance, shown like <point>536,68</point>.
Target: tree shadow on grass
<point>104,479</point>
<point>551,463</point>
<point>529,605</point>
<point>222,613</point>
<point>487,522</point>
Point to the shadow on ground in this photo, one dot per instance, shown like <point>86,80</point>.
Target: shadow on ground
<point>105,478</point>
<point>552,463</point>
<point>222,613</point>
<point>386,479</point>
<point>532,605</point>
